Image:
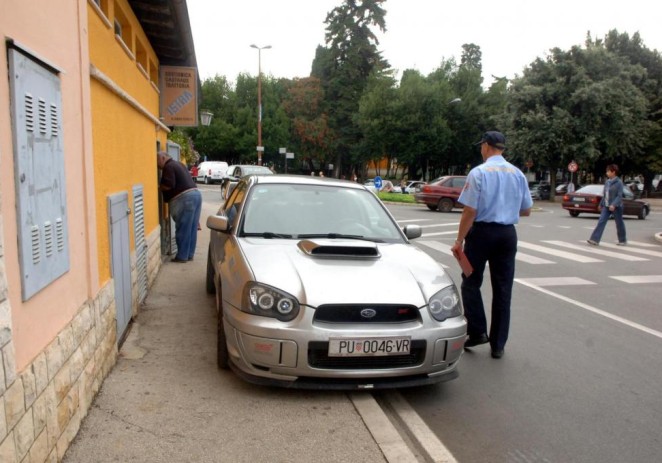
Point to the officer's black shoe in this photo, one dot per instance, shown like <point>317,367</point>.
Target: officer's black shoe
<point>476,340</point>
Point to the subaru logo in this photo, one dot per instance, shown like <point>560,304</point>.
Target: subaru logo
<point>368,313</point>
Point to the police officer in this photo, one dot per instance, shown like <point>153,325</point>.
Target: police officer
<point>495,195</point>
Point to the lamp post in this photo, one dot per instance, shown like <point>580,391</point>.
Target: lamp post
<point>260,148</point>
<point>205,117</point>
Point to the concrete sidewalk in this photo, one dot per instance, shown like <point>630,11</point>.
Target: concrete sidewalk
<point>166,401</point>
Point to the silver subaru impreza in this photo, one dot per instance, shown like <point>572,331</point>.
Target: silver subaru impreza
<point>318,287</point>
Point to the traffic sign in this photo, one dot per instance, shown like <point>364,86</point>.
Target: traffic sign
<point>572,167</point>
<point>378,182</point>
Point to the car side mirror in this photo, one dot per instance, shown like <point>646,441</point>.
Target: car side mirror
<point>218,223</point>
<point>412,231</point>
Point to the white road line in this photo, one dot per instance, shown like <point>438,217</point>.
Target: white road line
<point>393,446</point>
<point>645,252</point>
<point>644,245</point>
<point>555,252</point>
<point>437,246</point>
<point>529,259</point>
<point>412,220</point>
<point>556,281</point>
<point>453,232</point>
<point>418,430</point>
<point>597,311</point>
<point>440,225</point>
<point>596,250</point>
<point>639,279</point>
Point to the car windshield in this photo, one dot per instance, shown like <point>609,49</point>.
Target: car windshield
<point>300,211</point>
<point>591,190</point>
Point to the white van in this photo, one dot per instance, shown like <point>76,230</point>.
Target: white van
<point>211,171</point>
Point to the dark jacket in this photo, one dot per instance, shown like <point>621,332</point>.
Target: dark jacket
<point>612,194</point>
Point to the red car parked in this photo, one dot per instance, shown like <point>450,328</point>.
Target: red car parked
<point>587,200</point>
<point>441,194</point>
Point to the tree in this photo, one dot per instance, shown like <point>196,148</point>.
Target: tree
<point>344,69</point>
<point>581,105</point>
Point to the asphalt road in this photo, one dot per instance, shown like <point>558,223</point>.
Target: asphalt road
<point>581,377</point>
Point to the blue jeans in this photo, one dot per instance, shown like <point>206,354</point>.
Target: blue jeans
<point>602,223</point>
<point>496,244</point>
<point>185,211</point>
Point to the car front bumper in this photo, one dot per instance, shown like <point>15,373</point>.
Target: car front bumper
<point>294,354</point>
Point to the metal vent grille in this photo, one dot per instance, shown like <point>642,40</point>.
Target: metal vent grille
<point>141,243</point>
<point>54,118</point>
<point>42,116</point>
<point>59,234</point>
<point>34,239</point>
<point>29,113</point>
<point>48,238</point>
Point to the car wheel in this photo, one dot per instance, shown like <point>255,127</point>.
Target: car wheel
<point>209,281</point>
<point>432,207</point>
<point>643,213</point>
<point>445,205</point>
<point>222,355</point>
<point>207,181</point>
<point>574,213</point>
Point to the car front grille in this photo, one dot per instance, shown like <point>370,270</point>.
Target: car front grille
<point>318,357</point>
<point>362,313</point>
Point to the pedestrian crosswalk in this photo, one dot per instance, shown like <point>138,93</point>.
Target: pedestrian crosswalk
<point>548,252</point>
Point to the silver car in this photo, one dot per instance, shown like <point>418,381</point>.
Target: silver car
<point>317,287</point>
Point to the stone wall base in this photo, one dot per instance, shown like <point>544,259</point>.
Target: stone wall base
<point>42,408</point>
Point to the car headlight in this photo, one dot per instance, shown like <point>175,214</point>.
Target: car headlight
<point>445,304</point>
<point>266,301</point>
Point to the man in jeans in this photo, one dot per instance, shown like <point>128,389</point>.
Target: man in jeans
<point>185,204</point>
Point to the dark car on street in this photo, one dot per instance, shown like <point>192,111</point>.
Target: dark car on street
<point>587,200</point>
<point>540,190</point>
<point>442,193</point>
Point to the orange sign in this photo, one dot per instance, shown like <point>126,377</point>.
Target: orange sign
<point>179,96</point>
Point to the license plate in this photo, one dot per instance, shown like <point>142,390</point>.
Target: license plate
<point>366,347</point>
<point>579,200</point>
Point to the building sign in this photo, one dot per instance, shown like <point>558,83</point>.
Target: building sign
<point>179,96</point>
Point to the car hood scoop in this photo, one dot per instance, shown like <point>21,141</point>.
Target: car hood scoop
<point>343,249</point>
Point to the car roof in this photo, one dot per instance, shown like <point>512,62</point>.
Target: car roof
<point>303,180</point>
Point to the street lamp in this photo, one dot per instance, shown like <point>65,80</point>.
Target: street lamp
<point>205,117</point>
<point>260,148</point>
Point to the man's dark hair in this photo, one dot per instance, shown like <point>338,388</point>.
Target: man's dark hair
<point>613,168</point>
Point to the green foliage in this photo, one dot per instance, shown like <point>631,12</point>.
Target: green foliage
<point>596,104</point>
<point>186,153</point>
<point>585,104</point>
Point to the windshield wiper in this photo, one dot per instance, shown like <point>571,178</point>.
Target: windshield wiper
<point>338,236</point>
<point>268,235</point>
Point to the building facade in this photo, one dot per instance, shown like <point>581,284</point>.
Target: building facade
<point>80,217</point>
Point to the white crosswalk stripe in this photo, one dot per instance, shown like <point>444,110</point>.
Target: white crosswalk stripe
<point>595,250</point>
<point>579,252</point>
<point>555,252</point>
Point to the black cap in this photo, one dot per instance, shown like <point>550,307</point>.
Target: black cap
<point>493,138</point>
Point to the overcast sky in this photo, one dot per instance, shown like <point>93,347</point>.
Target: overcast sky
<point>419,33</point>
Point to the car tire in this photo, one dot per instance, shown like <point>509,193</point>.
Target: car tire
<point>432,207</point>
<point>445,205</point>
<point>207,181</point>
<point>209,280</point>
<point>222,354</point>
<point>574,213</point>
<point>643,213</point>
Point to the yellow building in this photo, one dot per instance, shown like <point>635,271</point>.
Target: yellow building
<point>80,221</point>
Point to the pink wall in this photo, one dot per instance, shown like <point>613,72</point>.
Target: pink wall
<point>55,32</point>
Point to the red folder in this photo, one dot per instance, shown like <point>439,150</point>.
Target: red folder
<point>465,265</point>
